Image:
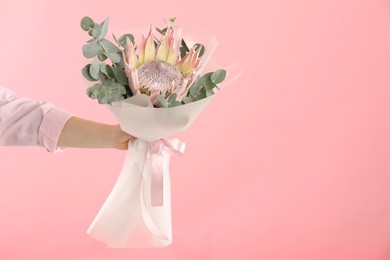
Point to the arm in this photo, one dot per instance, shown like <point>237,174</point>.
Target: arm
<point>25,122</point>
<point>83,133</point>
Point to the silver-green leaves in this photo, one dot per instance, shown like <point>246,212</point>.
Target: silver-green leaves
<point>122,40</point>
<point>171,102</point>
<point>105,94</point>
<point>98,45</point>
<point>113,83</point>
<point>91,49</point>
<point>97,31</point>
<point>218,76</point>
<point>204,86</point>
<point>87,24</point>
<point>184,48</point>
<point>94,70</point>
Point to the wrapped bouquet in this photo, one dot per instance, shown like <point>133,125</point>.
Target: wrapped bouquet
<point>155,89</point>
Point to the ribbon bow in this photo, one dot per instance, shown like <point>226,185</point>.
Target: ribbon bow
<point>157,156</point>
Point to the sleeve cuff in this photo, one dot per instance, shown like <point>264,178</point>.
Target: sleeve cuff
<point>51,127</point>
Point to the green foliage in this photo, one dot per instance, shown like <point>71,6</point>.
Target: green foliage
<point>163,101</point>
<point>218,76</point>
<point>94,70</point>
<point>85,72</point>
<point>87,23</point>
<point>204,86</point>
<point>170,102</point>
<point>108,67</point>
<point>105,94</point>
<point>162,31</point>
<point>183,49</point>
<point>122,39</point>
<point>102,57</point>
<point>91,49</point>
<point>103,29</point>
<point>201,47</point>
<point>120,75</point>
<point>112,81</point>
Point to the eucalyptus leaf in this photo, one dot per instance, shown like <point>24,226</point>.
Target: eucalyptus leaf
<point>172,98</point>
<point>87,23</point>
<point>85,72</point>
<point>114,57</point>
<point>202,87</point>
<point>105,94</point>
<point>178,103</point>
<point>201,47</point>
<point>93,91</point>
<point>102,57</point>
<point>115,39</point>
<point>218,76</point>
<point>195,87</point>
<point>202,94</point>
<point>103,68</point>
<point>209,92</point>
<point>121,63</point>
<point>187,100</point>
<point>95,32</point>
<point>183,49</point>
<point>91,49</point>
<point>116,85</point>
<point>206,80</point>
<point>120,75</point>
<point>103,27</point>
<point>109,46</point>
<point>184,45</point>
<point>122,90</point>
<point>94,70</point>
<point>110,73</point>
<point>175,104</point>
<point>210,85</point>
<point>122,39</point>
<point>103,77</point>
<point>163,101</point>
<point>162,31</point>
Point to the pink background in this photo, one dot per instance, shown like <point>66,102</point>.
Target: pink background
<point>292,161</point>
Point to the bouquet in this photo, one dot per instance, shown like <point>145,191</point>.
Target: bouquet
<point>155,89</point>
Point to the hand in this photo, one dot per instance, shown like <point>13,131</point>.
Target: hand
<point>121,139</point>
<point>82,133</point>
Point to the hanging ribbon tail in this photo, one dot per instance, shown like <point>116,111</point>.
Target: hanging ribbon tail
<point>173,147</point>
<point>157,181</point>
<point>156,168</point>
<point>137,213</point>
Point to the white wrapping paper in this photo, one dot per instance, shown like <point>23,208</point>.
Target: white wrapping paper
<point>133,216</point>
<point>127,218</point>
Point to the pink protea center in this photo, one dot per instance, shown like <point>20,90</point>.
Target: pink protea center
<point>159,75</point>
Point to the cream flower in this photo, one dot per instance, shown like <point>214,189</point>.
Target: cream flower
<point>160,71</point>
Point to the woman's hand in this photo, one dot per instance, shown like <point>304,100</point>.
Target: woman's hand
<point>121,139</point>
<point>82,133</point>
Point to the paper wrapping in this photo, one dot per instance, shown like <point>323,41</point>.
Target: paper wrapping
<point>128,218</point>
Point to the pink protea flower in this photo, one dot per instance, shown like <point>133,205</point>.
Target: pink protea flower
<point>160,71</point>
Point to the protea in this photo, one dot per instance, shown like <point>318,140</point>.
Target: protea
<point>159,70</point>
